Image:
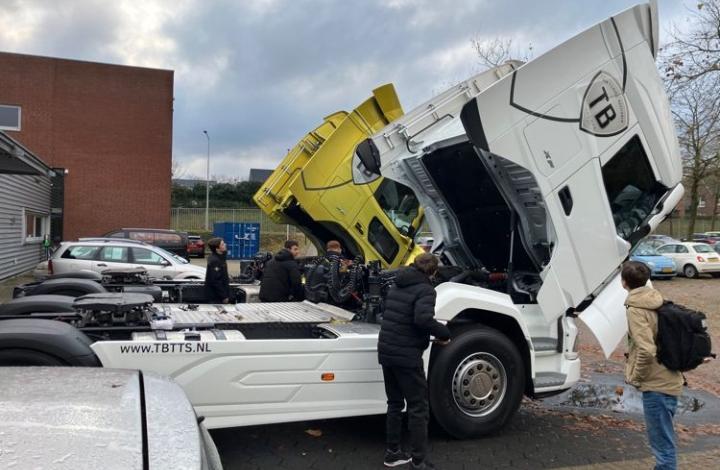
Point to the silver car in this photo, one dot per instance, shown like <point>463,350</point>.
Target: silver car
<point>100,254</point>
<point>90,418</point>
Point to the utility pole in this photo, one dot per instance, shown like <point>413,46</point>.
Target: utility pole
<point>207,185</point>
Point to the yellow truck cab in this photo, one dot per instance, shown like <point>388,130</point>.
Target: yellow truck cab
<point>313,188</point>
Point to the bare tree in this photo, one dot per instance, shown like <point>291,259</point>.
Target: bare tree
<point>695,52</point>
<point>495,52</point>
<point>696,109</point>
<point>177,170</point>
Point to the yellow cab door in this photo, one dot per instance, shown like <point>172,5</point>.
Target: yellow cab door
<point>389,220</point>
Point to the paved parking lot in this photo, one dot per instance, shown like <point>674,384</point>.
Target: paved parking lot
<point>538,437</point>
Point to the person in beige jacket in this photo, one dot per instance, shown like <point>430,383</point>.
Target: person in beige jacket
<point>660,386</point>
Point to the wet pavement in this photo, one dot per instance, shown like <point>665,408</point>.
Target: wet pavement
<point>608,393</point>
<point>591,426</point>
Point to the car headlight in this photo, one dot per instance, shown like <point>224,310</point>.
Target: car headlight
<point>651,264</point>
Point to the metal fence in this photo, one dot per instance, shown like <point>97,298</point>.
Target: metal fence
<point>193,220</point>
<point>676,227</point>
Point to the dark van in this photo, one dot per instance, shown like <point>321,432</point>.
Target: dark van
<point>170,240</point>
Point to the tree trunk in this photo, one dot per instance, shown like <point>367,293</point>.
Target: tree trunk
<point>716,195</point>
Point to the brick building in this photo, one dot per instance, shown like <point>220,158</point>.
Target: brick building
<point>108,126</point>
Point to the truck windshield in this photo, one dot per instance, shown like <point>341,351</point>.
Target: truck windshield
<point>632,190</point>
<point>399,204</point>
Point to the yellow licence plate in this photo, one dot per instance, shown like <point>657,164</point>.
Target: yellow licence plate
<point>667,270</point>
<point>713,260</point>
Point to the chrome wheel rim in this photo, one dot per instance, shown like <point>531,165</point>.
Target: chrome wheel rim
<point>479,384</point>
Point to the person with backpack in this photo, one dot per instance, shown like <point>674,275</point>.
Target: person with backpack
<point>659,385</point>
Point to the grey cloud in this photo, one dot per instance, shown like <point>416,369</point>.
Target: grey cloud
<point>292,64</point>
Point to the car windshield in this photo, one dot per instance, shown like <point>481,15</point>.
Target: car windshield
<point>703,248</point>
<point>175,257</point>
<point>399,204</point>
<point>645,250</point>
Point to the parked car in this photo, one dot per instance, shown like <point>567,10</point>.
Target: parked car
<point>100,254</point>
<point>171,240</point>
<point>88,417</point>
<point>196,246</point>
<point>704,238</point>
<point>41,271</point>
<point>656,241</point>
<point>660,266</point>
<point>693,258</point>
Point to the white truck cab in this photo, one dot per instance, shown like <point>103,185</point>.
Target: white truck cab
<point>536,180</point>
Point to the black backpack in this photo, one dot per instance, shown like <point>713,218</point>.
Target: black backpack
<point>682,341</point>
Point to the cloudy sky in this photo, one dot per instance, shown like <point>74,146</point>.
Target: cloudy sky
<point>258,74</point>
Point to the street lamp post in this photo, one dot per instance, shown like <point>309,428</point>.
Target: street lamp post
<point>207,185</point>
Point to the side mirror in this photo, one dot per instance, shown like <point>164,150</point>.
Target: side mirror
<point>369,155</point>
<point>408,231</point>
<point>165,263</point>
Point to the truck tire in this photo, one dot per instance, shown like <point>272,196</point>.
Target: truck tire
<point>68,286</point>
<point>38,304</point>
<point>476,383</point>
<point>33,341</point>
<point>28,357</point>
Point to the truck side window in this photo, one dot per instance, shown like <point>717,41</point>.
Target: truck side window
<point>382,240</point>
<point>631,187</point>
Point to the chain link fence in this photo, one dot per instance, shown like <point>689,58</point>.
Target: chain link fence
<point>677,227</point>
<point>272,234</point>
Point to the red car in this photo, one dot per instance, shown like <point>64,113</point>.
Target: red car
<point>196,246</point>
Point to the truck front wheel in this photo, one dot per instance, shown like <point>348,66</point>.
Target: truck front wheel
<point>28,357</point>
<point>476,383</point>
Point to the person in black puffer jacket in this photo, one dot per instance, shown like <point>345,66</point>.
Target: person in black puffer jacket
<point>408,322</point>
<point>281,279</point>
<point>217,281</point>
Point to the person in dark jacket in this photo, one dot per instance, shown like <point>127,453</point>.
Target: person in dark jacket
<point>407,325</point>
<point>217,281</point>
<point>281,279</point>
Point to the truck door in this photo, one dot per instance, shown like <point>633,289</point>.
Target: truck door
<point>389,220</point>
<point>599,212</point>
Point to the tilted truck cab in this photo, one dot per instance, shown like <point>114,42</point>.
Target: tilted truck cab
<point>313,189</point>
<point>536,180</point>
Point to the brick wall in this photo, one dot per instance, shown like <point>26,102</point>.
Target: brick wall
<point>110,126</point>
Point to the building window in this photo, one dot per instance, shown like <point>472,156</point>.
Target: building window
<point>10,117</point>
<point>35,226</point>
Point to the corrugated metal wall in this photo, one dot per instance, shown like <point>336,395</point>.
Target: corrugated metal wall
<point>18,192</point>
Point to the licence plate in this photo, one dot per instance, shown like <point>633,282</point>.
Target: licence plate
<point>713,260</point>
<point>667,270</point>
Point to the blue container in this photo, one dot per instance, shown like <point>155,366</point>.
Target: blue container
<point>242,239</point>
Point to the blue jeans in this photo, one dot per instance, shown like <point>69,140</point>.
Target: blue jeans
<point>659,410</point>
